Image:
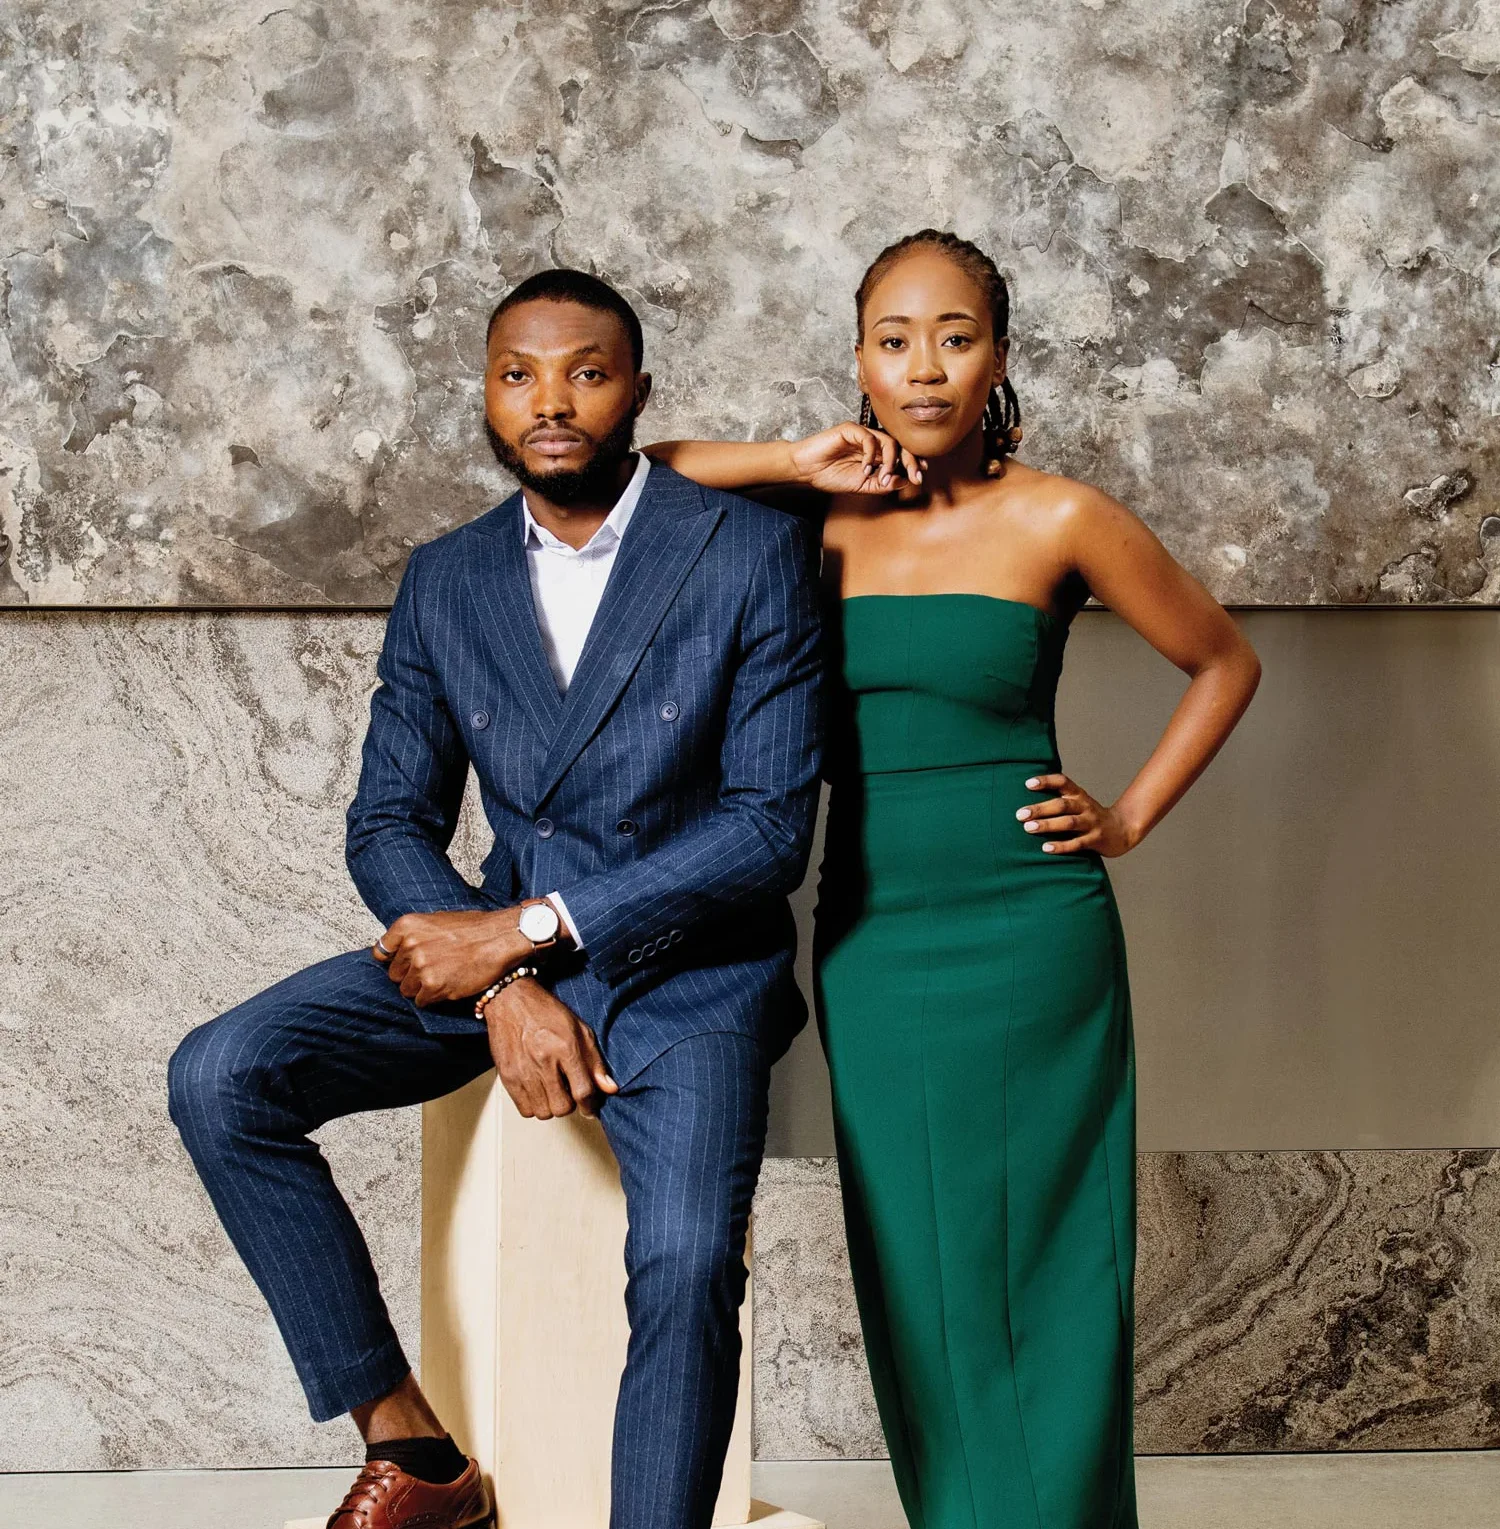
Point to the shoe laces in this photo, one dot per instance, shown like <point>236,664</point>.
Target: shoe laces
<point>368,1492</point>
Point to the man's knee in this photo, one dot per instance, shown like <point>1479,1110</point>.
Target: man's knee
<point>214,1081</point>
<point>689,1272</point>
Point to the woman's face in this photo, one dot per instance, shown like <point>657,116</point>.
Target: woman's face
<point>927,354</point>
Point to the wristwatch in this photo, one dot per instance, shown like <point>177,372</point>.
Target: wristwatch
<point>540,923</point>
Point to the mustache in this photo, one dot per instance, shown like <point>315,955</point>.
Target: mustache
<point>558,432</point>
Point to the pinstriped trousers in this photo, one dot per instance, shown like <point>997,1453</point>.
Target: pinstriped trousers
<point>688,1132</point>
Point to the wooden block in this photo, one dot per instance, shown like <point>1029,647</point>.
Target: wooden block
<point>764,1516</point>
<point>523,1307</point>
<point>523,1312</point>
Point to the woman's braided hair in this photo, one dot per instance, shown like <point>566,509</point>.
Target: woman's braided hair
<point>1002,414</point>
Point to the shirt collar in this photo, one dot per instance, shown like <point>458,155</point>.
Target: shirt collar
<point>615,522</point>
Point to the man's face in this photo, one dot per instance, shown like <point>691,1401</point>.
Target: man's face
<point>561,394</point>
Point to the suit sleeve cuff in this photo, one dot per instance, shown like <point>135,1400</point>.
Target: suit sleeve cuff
<point>556,899</point>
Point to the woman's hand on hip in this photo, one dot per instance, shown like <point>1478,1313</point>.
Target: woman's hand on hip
<point>1072,813</point>
<point>853,459</point>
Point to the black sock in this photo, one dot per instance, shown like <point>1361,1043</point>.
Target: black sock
<point>436,1460</point>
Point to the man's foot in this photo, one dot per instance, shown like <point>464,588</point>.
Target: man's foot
<point>385,1497</point>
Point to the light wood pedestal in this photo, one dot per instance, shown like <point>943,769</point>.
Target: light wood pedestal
<point>523,1311</point>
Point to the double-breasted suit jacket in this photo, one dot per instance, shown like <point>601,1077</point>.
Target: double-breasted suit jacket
<point>669,795</point>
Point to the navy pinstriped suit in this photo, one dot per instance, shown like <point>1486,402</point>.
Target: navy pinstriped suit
<point>670,797</point>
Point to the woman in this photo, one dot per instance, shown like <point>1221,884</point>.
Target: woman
<point>971,979</point>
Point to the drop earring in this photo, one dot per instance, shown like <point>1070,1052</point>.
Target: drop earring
<point>994,453</point>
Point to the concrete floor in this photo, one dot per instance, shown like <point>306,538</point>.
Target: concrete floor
<point>1427,1490</point>
<point>1350,1491</point>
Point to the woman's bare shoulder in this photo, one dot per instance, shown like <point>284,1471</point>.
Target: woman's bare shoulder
<point>1055,502</point>
<point>1044,489</point>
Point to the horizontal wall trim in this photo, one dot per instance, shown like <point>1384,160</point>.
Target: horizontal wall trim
<point>380,610</point>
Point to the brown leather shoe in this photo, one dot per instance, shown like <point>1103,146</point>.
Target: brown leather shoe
<point>385,1497</point>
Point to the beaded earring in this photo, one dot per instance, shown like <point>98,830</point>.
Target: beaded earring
<point>1000,437</point>
<point>993,424</point>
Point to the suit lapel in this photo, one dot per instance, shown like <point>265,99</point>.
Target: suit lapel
<point>500,587</point>
<point>666,536</point>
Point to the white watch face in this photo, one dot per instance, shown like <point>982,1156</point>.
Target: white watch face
<point>538,922</point>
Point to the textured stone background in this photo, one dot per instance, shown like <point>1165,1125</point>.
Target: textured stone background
<point>173,843</point>
<point>175,786</point>
<point>245,258</point>
<point>1296,1301</point>
<point>247,252</point>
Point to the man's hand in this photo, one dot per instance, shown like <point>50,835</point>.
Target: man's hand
<point>546,1056</point>
<point>451,955</point>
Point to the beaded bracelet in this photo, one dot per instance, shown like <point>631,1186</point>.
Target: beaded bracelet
<point>482,1002</point>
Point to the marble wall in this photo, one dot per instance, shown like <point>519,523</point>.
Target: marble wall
<point>246,253</point>
<point>1296,1301</point>
<point>175,785</point>
<point>173,842</point>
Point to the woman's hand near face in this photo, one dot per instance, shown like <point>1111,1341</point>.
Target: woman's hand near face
<point>853,459</point>
<point>1072,813</point>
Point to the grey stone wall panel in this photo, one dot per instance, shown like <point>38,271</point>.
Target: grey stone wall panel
<point>173,844</point>
<point>247,254</point>
<point>1285,1301</point>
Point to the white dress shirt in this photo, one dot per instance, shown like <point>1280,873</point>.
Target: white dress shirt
<point>567,584</point>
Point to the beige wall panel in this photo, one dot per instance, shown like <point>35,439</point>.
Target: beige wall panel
<point>1311,932</point>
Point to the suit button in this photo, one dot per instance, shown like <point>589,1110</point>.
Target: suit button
<point>480,719</point>
<point>626,826</point>
<point>545,828</point>
<point>669,711</point>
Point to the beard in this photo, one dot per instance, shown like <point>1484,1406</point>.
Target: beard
<point>598,478</point>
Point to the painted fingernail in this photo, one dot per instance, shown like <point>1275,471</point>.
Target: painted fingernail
<point>1031,828</point>
<point>1049,847</point>
<point>1032,783</point>
<point>1023,813</point>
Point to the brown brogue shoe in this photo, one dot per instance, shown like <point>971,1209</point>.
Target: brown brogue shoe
<point>386,1497</point>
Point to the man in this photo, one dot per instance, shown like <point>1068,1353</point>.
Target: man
<point>630,663</point>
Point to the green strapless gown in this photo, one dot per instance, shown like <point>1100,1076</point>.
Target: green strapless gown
<point>974,1006</point>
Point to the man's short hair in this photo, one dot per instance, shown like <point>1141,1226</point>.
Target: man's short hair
<point>566,286</point>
